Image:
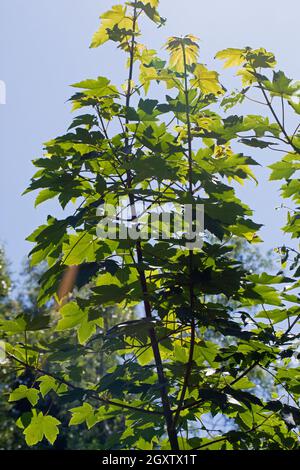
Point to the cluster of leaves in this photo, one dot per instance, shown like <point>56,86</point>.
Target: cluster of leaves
<point>169,376</point>
<point>22,388</point>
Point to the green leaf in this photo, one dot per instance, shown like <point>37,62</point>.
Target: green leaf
<point>86,330</point>
<point>31,394</point>
<point>295,104</point>
<point>266,279</point>
<point>282,170</point>
<point>83,414</point>
<point>145,357</point>
<point>232,57</point>
<point>100,184</point>
<point>180,353</point>
<point>80,249</point>
<point>206,352</point>
<point>87,120</point>
<point>215,396</point>
<point>279,315</point>
<point>149,7</point>
<point>262,144</point>
<point>13,326</point>
<point>175,47</point>
<point>260,58</point>
<point>246,419</point>
<point>113,19</point>
<point>48,383</point>
<point>45,195</point>
<point>72,316</point>
<point>206,80</point>
<point>281,85</point>
<point>41,426</point>
<point>243,383</point>
<point>99,87</point>
<point>261,294</point>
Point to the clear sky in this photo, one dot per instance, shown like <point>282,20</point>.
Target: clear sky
<point>45,48</point>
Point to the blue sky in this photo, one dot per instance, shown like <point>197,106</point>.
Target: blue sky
<point>45,48</point>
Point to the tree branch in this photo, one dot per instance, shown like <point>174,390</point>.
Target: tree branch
<point>91,393</point>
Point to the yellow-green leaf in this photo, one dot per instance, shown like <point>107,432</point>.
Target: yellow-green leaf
<point>22,392</point>
<point>85,330</point>
<point>232,57</point>
<point>182,50</point>
<point>83,414</point>
<point>206,80</point>
<point>145,357</point>
<point>41,426</point>
<point>116,17</point>
<point>72,316</point>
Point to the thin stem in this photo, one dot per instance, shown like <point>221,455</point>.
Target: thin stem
<point>92,394</point>
<point>281,125</point>
<point>240,377</point>
<point>295,131</point>
<point>26,347</point>
<point>280,383</point>
<point>189,364</point>
<point>172,434</point>
<point>291,326</point>
<point>255,101</point>
<point>282,111</point>
<point>246,372</point>
<point>225,438</point>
